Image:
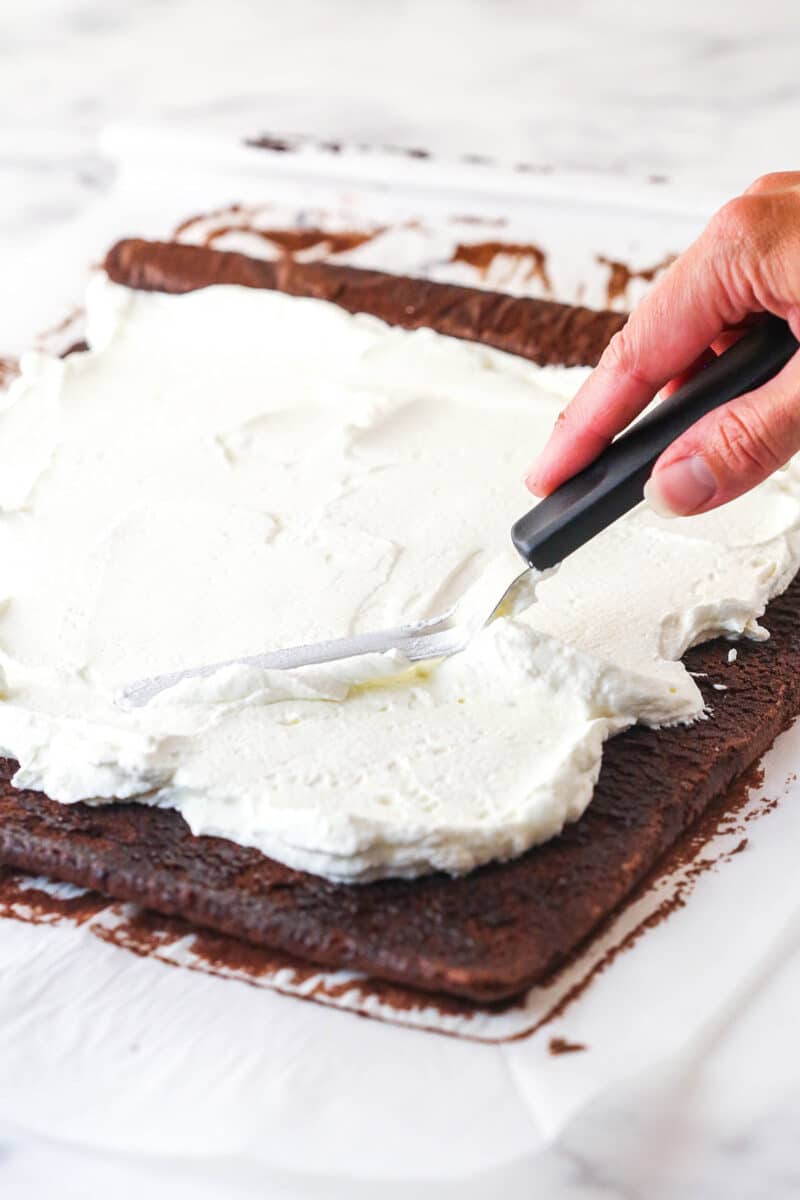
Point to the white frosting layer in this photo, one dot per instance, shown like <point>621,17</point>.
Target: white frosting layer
<point>232,471</point>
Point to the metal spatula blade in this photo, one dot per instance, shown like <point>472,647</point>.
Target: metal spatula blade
<point>576,512</point>
<point>437,637</point>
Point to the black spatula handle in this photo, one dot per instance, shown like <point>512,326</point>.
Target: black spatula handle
<point>614,483</point>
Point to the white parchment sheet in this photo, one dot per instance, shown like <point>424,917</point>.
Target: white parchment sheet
<point>102,1047</point>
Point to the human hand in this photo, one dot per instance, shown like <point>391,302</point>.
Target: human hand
<point>747,261</point>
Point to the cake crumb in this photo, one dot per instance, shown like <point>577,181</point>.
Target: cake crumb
<point>733,655</point>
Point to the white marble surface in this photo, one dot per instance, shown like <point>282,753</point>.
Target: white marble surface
<point>704,94</point>
<point>703,91</point>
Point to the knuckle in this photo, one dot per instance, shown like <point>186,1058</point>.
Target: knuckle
<point>785,213</point>
<point>745,236</point>
<point>621,356</point>
<point>771,182</point>
<point>745,443</point>
<point>736,220</point>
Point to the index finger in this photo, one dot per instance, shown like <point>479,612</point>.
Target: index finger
<point>697,298</point>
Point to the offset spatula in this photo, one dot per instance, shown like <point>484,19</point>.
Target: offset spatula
<point>577,511</point>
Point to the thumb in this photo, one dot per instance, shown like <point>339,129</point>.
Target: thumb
<point>729,450</point>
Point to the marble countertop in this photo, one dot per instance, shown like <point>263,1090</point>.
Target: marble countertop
<point>700,96</point>
<point>691,92</point>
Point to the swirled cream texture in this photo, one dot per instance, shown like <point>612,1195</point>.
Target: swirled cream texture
<point>232,471</point>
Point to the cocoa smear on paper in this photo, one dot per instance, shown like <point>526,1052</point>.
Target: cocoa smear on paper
<point>25,902</point>
<point>620,275</point>
<point>215,214</point>
<point>72,317</point>
<point>146,933</point>
<point>9,370</point>
<point>300,240</point>
<point>288,242</point>
<point>560,1045</point>
<point>482,255</point>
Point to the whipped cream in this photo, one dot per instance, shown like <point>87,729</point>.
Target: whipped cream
<point>232,471</point>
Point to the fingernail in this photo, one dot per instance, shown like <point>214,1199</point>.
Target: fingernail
<point>681,488</point>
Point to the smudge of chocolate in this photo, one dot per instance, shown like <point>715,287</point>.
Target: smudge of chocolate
<point>9,370</point>
<point>239,218</point>
<point>405,151</point>
<point>290,242</point>
<point>620,275</point>
<point>72,317</point>
<point>21,900</point>
<point>281,144</point>
<point>285,145</point>
<point>482,255</point>
<point>9,367</point>
<point>144,932</point>
<point>267,142</point>
<point>559,1045</point>
<point>213,214</point>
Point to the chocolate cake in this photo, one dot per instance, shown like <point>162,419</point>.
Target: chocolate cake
<point>490,934</point>
<point>541,330</point>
